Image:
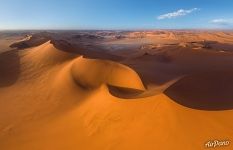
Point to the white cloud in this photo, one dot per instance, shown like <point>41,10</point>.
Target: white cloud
<point>178,13</point>
<point>222,21</point>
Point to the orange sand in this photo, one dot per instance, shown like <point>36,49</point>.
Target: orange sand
<point>63,101</point>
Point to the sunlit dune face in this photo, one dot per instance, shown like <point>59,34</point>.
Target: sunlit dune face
<point>93,73</point>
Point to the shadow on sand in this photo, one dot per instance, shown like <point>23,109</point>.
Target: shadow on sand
<point>204,91</point>
<point>9,68</point>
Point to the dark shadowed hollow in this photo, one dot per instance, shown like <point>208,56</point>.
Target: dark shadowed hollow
<point>205,91</point>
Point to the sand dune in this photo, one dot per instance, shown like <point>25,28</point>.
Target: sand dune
<point>171,97</point>
<point>93,73</point>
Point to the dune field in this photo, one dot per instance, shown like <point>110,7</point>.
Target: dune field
<point>116,90</point>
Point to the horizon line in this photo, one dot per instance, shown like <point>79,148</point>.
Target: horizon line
<point>116,29</point>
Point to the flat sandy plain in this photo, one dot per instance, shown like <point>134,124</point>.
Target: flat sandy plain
<point>115,90</point>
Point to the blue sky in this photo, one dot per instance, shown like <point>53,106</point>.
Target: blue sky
<point>116,14</point>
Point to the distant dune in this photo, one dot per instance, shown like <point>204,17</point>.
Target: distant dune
<point>165,90</point>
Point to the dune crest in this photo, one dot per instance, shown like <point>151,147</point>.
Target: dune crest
<point>47,54</point>
<point>92,73</point>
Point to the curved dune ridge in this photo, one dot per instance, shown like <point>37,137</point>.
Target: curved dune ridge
<point>47,54</point>
<point>61,100</point>
<point>93,73</point>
